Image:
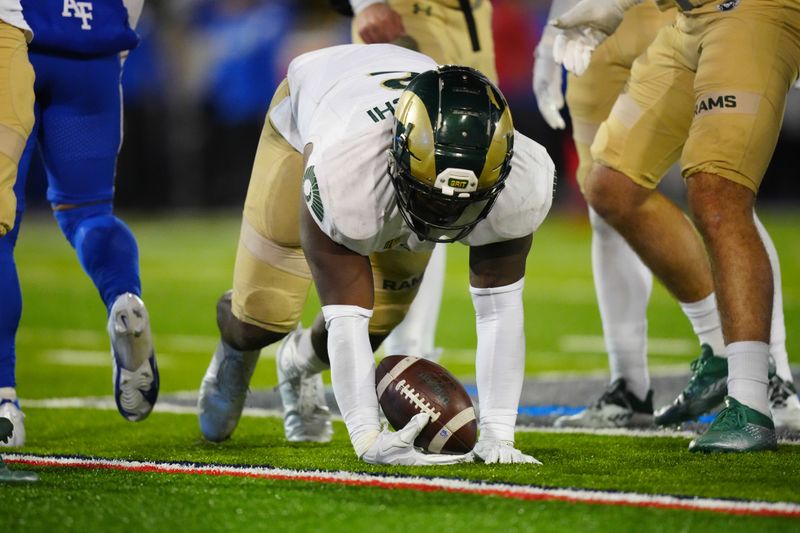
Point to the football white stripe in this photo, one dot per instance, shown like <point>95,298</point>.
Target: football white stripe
<point>398,369</point>
<point>457,422</point>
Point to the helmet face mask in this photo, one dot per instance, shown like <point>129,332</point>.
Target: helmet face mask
<point>451,151</point>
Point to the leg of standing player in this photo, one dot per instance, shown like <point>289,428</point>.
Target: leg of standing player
<point>721,187</point>
<point>622,282</point>
<point>16,122</point>
<point>83,98</point>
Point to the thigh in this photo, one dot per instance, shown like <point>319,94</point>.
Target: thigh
<point>16,92</point>
<point>80,125</point>
<point>397,275</point>
<point>271,278</point>
<point>16,115</point>
<point>749,60</point>
<point>649,122</point>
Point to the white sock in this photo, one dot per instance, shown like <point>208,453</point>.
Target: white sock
<point>499,358</point>
<point>353,372</point>
<point>623,285</point>
<point>706,324</point>
<point>303,356</point>
<point>748,364</point>
<point>777,334</point>
<point>415,335</point>
<point>8,393</point>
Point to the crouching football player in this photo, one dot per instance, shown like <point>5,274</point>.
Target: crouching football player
<point>370,156</point>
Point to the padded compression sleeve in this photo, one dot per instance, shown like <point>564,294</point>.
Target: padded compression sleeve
<point>500,357</point>
<point>353,372</point>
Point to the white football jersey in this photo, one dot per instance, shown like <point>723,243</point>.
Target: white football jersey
<point>11,12</point>
<point>342,101</point>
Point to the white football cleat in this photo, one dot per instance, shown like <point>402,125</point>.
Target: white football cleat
<point>492,451</point>
<point>10,409</point>
<point>784,404</point>
<point>397,448</point>
<point>616,408</point>
<point>135,372</point>
<point>306,416</point>
<point>224,390</point>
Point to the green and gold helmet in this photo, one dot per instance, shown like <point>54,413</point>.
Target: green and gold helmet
<point>451,151</point>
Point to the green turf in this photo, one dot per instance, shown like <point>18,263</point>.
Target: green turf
<point>152,502</point>
<point>651,465</point>
<point>187,263</point>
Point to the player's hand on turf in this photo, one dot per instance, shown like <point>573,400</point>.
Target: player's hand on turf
<point>379,23</point>
<point>397,447</point>
<point>585,26</point>
<point>492,451</point>
<point>547,80</point>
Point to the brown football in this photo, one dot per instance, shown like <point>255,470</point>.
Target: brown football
<point>408,386</point>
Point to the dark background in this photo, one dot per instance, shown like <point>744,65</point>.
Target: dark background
<point>198,86</point>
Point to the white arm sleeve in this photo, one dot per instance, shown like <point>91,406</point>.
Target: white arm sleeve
<point>360,5</point>
<point>559,7</point>
<point>500,357</point>
<point>353,372</point>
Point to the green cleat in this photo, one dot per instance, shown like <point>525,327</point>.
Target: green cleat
<point>737,428</point>
<point>13,476</point>
<point>706,389</point>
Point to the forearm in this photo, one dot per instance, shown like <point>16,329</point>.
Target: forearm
<point>353,372</point>
<point>500,358</point>
<point>360,5</point>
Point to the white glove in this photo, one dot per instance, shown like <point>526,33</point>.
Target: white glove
<point>492,451</point>
<point>547,80</point>
<point>397,447</point>
<point>585,26</point>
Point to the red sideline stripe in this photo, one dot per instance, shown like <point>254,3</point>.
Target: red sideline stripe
<point>520,492</point>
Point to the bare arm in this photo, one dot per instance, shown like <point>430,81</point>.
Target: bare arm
<point>342,277</point>
<point>378,23</point>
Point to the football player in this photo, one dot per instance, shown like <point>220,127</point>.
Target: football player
<point>16,123</point>
<point>623,282</point>
<point>450,32</point>
<point>76,55</point>
<point>710,91</point>
<point>372,154</point>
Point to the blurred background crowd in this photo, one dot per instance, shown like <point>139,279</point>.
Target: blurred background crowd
<point>197,88</point>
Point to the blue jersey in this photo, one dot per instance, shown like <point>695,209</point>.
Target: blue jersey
<point>83,27</point>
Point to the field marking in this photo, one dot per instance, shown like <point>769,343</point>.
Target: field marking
<point>166,407</point>
<point>595,344</point>
<point>461,486</point>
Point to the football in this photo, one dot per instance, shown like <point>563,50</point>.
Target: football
<point>407,386</point>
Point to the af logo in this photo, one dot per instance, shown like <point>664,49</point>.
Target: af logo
<point>79,10</point>
<point>311,193</point>
<point>727,5</point>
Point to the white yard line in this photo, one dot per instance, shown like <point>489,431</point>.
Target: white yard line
<point>167,407</point>
<point>437,484</point>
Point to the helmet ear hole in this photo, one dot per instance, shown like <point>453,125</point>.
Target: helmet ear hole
<point>451,151</point>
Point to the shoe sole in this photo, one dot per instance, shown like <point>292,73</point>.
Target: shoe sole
<point>149,396</point>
